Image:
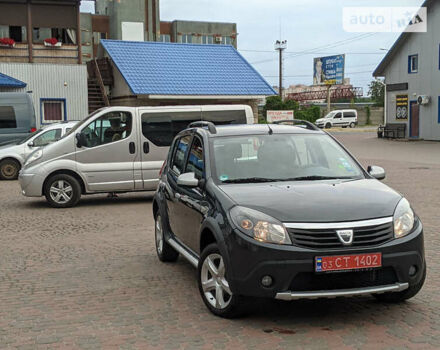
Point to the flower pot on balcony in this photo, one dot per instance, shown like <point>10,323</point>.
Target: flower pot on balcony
<point>52,42</point>
<point>7,42</point>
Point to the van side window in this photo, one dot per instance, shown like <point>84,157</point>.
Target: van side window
<point>195,161</point>
<point>111,127</point>
<point>349,115</point>
<point>225,117</point>
<point>161,128</point>
<point>7,117</point>
<point>180,152</point>
<point>47,137</point>
<point>338,116</point>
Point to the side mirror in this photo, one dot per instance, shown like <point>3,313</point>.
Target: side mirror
<point>31,144</point>
<point>80,140</point>
<point>188,180</point>
<point>377,172</point>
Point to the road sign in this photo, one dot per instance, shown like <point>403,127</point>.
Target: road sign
<point>275,116</point>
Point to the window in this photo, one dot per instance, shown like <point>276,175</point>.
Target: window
<point>165,38</point>
<point>349,115</point>
<point>52,111</point>
<point>97,36</point>
<point>162,128</point>
<point>226,40</point>
<point>186,39</point>
<point>207,39</point>
<point>180,154</point>
<point>111,127</point>
<point>47,137</point>
<point>7,117</point>
<point>225,117</point>
<point>17,33</point>
<point>338,116</point>
<point>439,109</point>
<point>413,64</point>
<point>195,160</point>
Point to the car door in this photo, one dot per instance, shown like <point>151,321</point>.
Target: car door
<point>337,119</point>
<point>106,160</point>
<point>158,129</point>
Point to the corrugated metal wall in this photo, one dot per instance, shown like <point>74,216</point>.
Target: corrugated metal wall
<point>53,81</point>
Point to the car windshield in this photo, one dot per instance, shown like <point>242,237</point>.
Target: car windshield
<point>281,157</point>
<point>29,137</point>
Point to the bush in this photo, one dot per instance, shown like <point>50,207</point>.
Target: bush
<point>310,114</point>
<point>275,103</point>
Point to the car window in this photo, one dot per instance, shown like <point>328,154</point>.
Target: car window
<point>195,160</point>
<point>338,116</point>
<point>349,115</point>
<point>47,137</point>
<point>111,127</point>
<point>68,129</point>
<point>281,157</point>
<point>180,152</point>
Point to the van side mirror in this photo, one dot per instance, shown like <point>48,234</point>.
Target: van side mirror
<point>376,171</point>
<point>188,180</point>
<point>80,140</point>
<point>31,144</point>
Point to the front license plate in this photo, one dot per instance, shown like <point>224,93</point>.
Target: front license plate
<point>348,262</point>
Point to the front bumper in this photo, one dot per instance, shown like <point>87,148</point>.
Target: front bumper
<point>31,184</point>
<point>292,268</point>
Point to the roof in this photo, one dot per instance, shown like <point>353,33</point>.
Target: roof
<point>7,81</point>
<point>154,68</point>
<point>379,71</point>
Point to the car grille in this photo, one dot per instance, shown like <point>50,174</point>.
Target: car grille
<point>328,238</point>
<point>309,281</point>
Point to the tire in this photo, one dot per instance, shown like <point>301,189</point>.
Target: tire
<point>164,251</point>
<point>328,126</point>
<point>69,195</point>
<point>9,169</point>
<point>352,125</point>
<point>213,285</point>
<point>403,295</point>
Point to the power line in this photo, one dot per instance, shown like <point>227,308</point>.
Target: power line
<point>308,75</point>
<point>313,53</point>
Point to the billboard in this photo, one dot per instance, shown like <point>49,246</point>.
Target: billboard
<point>329,70</point>
<point>276,116</point>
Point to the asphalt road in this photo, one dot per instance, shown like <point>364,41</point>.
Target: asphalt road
<point>88,277</point>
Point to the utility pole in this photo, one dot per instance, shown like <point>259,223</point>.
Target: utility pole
<point>280,46</point>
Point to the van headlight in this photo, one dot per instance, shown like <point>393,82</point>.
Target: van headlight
<point>403,219</point>
<point>259,226</point>
<point>34,156</point>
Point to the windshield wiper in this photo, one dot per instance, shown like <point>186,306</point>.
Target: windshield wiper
<point>249,180</point>
<point>317,177</point>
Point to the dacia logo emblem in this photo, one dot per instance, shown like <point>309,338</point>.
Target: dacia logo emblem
<point>345,236</point>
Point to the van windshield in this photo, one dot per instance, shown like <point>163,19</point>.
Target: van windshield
<point>82,122</point>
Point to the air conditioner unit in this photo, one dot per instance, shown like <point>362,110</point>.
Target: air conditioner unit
<point>423,99</point>
<point>218,39</point>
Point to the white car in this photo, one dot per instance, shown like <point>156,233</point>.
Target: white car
<point>339,118</point>
<point>13,155</point>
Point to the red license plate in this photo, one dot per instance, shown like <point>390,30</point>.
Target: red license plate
<point>348,262</point>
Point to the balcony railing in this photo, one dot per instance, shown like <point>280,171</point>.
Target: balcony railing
<point>66,54</point>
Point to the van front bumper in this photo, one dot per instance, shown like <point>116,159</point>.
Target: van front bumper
<point>31,184</point>
<point>292,269</point>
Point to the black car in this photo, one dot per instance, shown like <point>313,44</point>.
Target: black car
<point>285,212</point>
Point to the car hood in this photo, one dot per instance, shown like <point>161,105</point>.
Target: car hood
<point>10,147</point>
<point>317,201</point>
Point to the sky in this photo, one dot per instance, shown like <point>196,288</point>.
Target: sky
<point>307,25</point>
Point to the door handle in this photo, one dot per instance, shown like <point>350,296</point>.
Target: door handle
<point>146,147</point>
<point>132,147</point>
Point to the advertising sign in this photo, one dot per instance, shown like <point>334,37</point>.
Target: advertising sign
<point>275,116</point>
<point>329,70</point>
<point>402,107</point>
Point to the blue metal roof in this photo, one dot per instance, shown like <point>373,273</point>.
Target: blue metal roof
<point>154,68</point>
<point>7,81</point>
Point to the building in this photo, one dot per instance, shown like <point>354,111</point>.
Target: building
<point>158,74</point>
<point>39,47</point>
<point>411,69</point>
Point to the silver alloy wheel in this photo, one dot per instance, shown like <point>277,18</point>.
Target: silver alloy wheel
<point>214,284</point>
<point>159,234</point>
<point>61,192</point>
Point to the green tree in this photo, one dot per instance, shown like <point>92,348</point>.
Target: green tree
<point>377,92</point>
<point>275,103</point>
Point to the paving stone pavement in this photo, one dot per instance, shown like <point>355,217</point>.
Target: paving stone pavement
<point>88,278</point>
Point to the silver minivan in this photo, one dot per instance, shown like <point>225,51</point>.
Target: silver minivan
<point>115,149</point>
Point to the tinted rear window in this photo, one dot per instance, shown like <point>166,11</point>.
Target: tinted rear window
<point>225,117</point>
<point>349,115</point>
<point>7,118</point>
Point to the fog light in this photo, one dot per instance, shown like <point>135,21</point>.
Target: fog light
<point>412,270</point>
<point>266,281</point>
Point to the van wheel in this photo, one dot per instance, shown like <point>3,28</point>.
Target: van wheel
<point>328,125</point>
<point>352,125</point>
<point>214,287</point>
<point>9,169</point>
<point>62,191</point>
<point>164,251</point>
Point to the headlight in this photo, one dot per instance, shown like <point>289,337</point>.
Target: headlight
<point>403,219</point>
<point>34,156</point>
<point>259,226</point>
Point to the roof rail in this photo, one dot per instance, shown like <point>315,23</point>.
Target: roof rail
<point>299,122</point>
<point>204,124</point>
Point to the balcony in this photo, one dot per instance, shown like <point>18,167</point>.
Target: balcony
<point>66,54</point>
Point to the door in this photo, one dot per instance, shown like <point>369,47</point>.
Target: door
<point>107,158</point>
<point>414,119</point>
<point>337,119</point>
<point>158,130</point>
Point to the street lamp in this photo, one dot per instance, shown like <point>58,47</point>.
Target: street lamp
<point>280,46</point>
